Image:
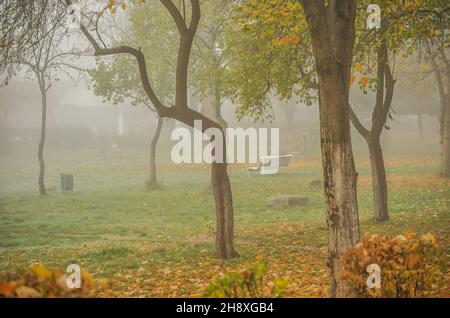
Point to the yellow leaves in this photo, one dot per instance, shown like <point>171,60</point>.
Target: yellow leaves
<point>358,67</point>
<point>87,279</point>
<point>41,272</point>
<point>428,240</point>
<point>352,79</point>
<point>39,281</point>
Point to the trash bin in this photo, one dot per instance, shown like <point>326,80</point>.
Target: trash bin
<point>66,182</point>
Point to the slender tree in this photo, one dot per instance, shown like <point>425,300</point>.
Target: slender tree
<point>44,63</point>
<point>186,17</point>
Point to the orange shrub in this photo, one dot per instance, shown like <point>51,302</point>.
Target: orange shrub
<point>410,265</point>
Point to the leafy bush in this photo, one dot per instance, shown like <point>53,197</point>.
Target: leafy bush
<point>410,265</point>
<point>250,283</point>
<point>38,281</point>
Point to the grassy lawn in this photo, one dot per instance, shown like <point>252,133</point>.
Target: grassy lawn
<point>138,243</point>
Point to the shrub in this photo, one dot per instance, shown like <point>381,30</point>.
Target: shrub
<point>410,265</point>
<point>250,283</point>
<point>38,281</point>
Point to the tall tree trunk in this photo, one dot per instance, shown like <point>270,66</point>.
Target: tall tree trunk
<point>340,179</point>
<point>41,177</point>
<point>446,141</point>
<point>332,29</point>
<point>379,183</point>
<point>445,109</point>
<point>153,182</point>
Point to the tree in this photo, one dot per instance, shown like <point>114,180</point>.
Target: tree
<point>23,25</point>
<point>332,27</point>
<point>315,40</point>
<point>186,17</point>
<point>441,68</point>
<point>374,49</point>
<point>44,63</point>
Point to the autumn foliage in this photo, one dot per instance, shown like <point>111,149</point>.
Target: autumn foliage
<point>410,265</point>
<point>39,281</point>
<point>250,283</point>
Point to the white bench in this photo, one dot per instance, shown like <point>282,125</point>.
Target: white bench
<point>268,165</point>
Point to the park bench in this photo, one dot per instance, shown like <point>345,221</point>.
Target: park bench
<point>265,165</point>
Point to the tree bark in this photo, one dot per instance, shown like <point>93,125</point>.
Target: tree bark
<point>333,33</point>
<point>446,142</point>
<point>445,110</point>
<point>384,96</point>
<point>224,212</point>
<point>41,181</point>
<point>379,183</point>
<point>153,182</point>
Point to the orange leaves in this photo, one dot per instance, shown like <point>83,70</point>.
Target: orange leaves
<point>112,6</point>
<point>286,40</point>
<point>364,81</point>
<point>7,289</point>
<point>295,39</point>
<point>409,265</point>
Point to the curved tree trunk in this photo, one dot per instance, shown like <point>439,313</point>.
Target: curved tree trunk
<point>41,182</point>
<point>153,182</point>
<point>180,111</point>
<point>224,212</point>
<point>379,183</point>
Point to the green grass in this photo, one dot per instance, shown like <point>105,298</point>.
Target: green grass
<point>110,224</point>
